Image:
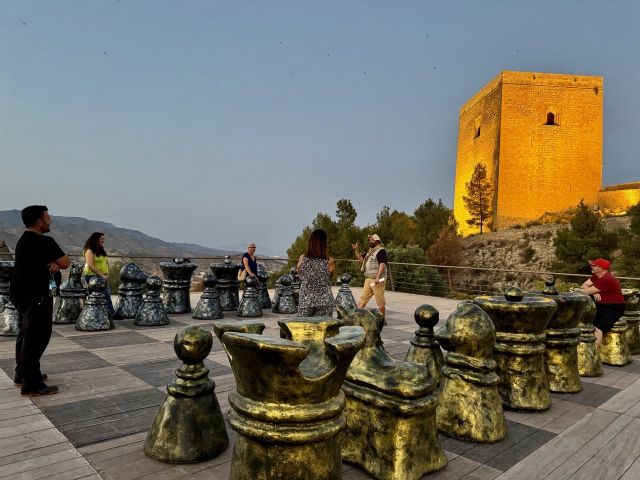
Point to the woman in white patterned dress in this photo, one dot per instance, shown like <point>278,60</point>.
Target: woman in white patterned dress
<point>315,269</point>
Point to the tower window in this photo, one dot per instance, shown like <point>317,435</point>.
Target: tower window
<point>551,119</point>
<point>476,128</point>
<point>476,132</point>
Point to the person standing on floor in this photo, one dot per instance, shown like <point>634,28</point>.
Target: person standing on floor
<point>607,294</point>
<point>37,259</point>
<point>374,266</point>
<point>97,264</point>
<point>315,268</point>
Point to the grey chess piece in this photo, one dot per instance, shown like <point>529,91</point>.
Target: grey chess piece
<point>8,313</point>
<point>209,307</point>
<point>345,298</point>
<point>250,303</point>
<point>132,279</point>
<point>95,313</point>
<point>72,295</point>
<point>152,313</point>
<point>176,284</point>
<point>189,426</point>
<point>286,304</point>
<point>263,293</point>
<point>276,295</point>
<point>228,284</point>
<point>295,284</point>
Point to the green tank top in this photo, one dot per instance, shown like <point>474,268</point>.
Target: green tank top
<point>101,264</point>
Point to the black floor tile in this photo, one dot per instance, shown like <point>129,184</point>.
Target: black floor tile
<point>61,362</point>
<point>157,374</point>
<point>592,394</point>
<point>106,340</point>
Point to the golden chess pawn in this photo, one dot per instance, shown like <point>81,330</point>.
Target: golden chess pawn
<point>424,348</point>
<point>589,363</point>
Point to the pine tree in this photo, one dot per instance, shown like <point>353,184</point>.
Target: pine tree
<point>479,198</point>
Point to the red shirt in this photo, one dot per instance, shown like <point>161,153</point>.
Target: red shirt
<point>609,287</point>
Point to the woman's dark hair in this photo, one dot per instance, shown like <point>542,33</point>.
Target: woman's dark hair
<point>93,244</point>
<point>317,247</point>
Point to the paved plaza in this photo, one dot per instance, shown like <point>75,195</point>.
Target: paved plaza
<point>111,384</point>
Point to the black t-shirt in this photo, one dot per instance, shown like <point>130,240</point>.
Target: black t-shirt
<point>381,256</point>
<point>34,253</point>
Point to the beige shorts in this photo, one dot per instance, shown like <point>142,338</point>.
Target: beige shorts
<point>376,291</point>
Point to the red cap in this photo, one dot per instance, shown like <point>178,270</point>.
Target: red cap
<point>601,262</point>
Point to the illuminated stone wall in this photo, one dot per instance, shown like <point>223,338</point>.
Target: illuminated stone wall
<point>618,198</point>
<point>543,144</point>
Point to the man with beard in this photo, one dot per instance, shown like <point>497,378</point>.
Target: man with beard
<point>374,266</point>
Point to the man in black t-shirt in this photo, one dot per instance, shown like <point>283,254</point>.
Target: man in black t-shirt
<point>37,259</point>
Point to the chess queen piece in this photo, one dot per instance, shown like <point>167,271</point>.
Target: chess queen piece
<point>345,298</point>
<point>152,312</point>
<point>424,348</point>
<point>228,284</point>
<point>72,295</point>
<point>589,363</point>
<point>263,282</point>
<point>520,322</point>
<point>132,278</point>
<point>469,406</point>
<point>632,317</point>
<point>209,307</point>
<point>250,303</point>
<point>176,284</point>
<point>189,426</point>
<point>8,312</point>
<point>95,313</point>
<point>286,303</point>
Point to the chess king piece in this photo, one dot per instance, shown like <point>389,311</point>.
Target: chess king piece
<point>250,303</point>
<point>228,284</point>
<point>589,363</point>
<point>189,426</point>
<point>424,348</point>
<point>95,313</point>
<point>520,322</point>
<point>209,306</point>
<point>130,292</point>
<point>72,295</point>
<point>176,284</point>
<point>285,302</point>
<point>469,406</point>
<point>263,292</point>
<point>8,312</point>
<point>345,298</point>
<point>152,312</point>
<point>632,317</point>
<point>391,426</point>
<point>288,407</point>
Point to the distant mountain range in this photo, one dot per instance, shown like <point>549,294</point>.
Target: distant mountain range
<point>72,232</point>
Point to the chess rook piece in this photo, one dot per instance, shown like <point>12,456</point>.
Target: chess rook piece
<point>250,303</point>
<point>95,313</point>
<point>132,279</point>
<point>589,363</point>
<point>176,284</point>
<point>424,348</point>
<point>632,317</point>
<point>220,327</point>
<point>276,295</point>
<point>345,298</point>
<point>387,399</point>
<point>72,295</point>
<point>285,301</point>
<point>295,284</point>
<point>563,337</point>
<point>209,307</point>
<point>263,282</point>
<point>8,312</point>
<point>152,312</point>
<point>288,407</point>
<point>189,426</point>
<point>520,324</point>
<point>228,284</point>
<point>469,406</point>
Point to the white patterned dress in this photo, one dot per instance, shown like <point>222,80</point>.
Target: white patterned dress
<point>316,299</point>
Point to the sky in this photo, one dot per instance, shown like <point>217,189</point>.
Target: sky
<point>225,122</point>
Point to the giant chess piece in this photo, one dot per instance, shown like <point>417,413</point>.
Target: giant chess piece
<point>8,312</point>
<point>589,363</point>
<point>72,295</point>
<point>228,284</point>
<point>263,292</point>
<point>285,304</point>
<point>387,399</point>
<point>189,426</point>
<point>470,407</point>
<point>220,327</point>
<point>95,313</point>
<point>152,313</point>
<point>288,407</point>
<point>424,348</point>
<point>276,295</point>
<point>176,284</point>
<point>132,279</point>
<point>615,343</point>
<point>250,303</point>
<point>520,324</point>
<point>209,307</point>
<point>296,283</point>
<point>563,337</point>
<point>632,317</point>
<point>344,298</point>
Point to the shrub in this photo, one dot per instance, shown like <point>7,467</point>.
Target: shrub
<point>527,253</point>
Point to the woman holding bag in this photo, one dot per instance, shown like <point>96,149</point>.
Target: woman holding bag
<point>249,263</point>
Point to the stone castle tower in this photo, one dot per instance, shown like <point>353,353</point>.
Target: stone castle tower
<point>539,135</point>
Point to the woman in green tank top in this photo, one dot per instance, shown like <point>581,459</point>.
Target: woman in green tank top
<point>96,263</point>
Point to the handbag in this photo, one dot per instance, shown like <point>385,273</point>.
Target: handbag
<point>242,274</point>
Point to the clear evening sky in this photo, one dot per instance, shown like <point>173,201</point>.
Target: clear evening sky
<point>223,122</point>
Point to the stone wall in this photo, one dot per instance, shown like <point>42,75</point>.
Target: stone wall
<point>617,200</point>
